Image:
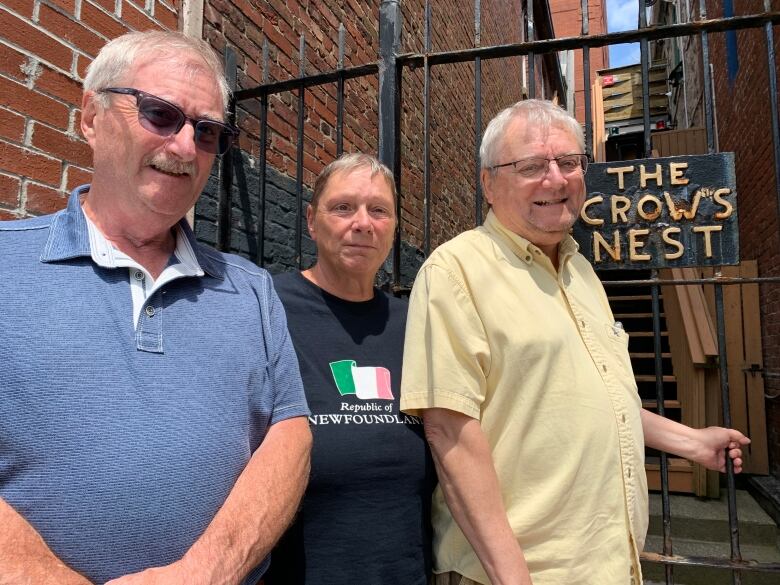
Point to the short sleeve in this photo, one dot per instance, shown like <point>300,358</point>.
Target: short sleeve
<point>446,353</point>
<point>284,372</point>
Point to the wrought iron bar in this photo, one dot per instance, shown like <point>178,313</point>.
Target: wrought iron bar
<point>714,562</point>
<point>725,280</point>
<point>263,159</point>
<point>601,40</point>
<point>586,79</point>
<point>340,95</point>
<point>427,136</point>
<point>771,64</point>
<point>736,555</point>
<point>312,80</point>
<point>705,56</point>
<point>659,393</point>
<point>530,36</point>
<point>225,198</point>
<point>390,110</point>
<point>644,57</point>
<point>299,158</point>
<point>477,113</point>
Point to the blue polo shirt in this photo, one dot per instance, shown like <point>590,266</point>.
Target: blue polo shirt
<point>120,444</point>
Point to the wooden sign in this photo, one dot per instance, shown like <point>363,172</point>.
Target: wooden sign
<point>660,213</point>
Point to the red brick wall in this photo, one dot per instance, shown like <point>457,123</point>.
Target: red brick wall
<point>45,48</point>
<point>49,43</point>
<point>744,127</point>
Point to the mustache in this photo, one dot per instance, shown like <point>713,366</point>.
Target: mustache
<point>170,165</point>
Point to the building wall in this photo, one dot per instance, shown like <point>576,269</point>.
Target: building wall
<point>47,44</point>
<point>567,19</point>
<point>45,47</point>
<point>743,118</point>
<point>452,114</point>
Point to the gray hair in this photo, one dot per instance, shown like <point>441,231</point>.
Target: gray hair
<point>117,57</point>
<point>347,163</point>
<point>541,114</point>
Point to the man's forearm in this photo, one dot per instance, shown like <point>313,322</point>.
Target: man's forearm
<point>259,508</point>
<point>708,446</point>
<point>666,435</point>
<point>470,485</point>
<point>25,557</point>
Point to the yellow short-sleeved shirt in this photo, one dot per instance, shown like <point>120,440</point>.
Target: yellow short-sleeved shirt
<point>496,333</point>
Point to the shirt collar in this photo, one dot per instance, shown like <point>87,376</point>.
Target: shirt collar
<point>523,248</point>
<point>69,237</point>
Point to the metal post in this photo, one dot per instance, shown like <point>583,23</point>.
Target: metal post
<point>340,95</point>
<point>530,35</point>
<point>586,80</point>
<point>427,135</point>
<point>477,113</point>
<point>263,156</point>
<point>770,50</point>
<point>661,406</point>
<point>389,109</point>
<point>645,58</point>
<point>299,157</point>
<point>224,202</point>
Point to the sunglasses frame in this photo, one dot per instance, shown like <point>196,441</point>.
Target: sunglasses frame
<point>227,136</point>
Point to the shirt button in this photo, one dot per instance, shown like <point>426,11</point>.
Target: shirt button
<point>138,275</point>
<point>624,418</point>
<point>149,311</point>
<point>604,367</point>
<point>629,472</point>
<point>631,572</point>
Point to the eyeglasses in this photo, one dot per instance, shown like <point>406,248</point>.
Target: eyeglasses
<point>165,119</point>
<point>537,167</point>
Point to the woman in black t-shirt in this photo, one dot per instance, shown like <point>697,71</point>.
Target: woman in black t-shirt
<point>365,516</point>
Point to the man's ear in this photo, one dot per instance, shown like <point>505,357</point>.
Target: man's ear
<point>486,178</point>
<point>88,115</point>
<point>310,222</point>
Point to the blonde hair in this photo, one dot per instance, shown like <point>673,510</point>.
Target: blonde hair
<point>347,163</point>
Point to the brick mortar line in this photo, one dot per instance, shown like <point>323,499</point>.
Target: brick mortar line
<point>73,73</point>
<point>31,149</point>
<point>40,92</point>
<point>115,16</point>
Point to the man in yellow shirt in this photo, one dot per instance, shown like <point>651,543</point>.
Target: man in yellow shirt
<point>524,382</point>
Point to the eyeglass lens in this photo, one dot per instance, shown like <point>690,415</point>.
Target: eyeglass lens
<point>165,119</point>
<point>539,167</point>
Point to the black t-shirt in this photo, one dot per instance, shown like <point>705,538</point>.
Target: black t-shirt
<point>365,518</point>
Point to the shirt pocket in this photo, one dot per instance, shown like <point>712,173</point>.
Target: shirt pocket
<point>618,344</point>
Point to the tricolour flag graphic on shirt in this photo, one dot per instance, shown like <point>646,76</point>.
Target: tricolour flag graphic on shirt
<point>364,382</point>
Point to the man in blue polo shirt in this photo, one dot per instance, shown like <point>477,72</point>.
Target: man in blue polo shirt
<point>152,421</point>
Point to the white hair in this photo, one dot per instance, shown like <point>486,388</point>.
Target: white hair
<point>541,114</point>
<point>117,57</point>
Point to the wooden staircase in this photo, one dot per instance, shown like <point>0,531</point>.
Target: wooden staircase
<point>632,306</point>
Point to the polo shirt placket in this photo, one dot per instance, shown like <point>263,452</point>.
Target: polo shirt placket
<point>149,332</point>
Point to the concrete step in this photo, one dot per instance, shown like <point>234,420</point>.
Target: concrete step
<point>707,519</point>
<point>699,528</point>
<point>688,575</point>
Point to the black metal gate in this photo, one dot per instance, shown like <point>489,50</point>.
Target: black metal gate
<point>391,68</point>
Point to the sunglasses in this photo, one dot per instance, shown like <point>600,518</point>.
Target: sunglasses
<point>165,119</point>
